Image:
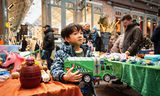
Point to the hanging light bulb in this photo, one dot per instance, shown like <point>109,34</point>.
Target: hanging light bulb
<point>10,6</point>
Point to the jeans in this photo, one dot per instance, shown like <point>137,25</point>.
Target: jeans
<point>48,59</point>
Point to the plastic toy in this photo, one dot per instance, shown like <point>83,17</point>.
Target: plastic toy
<point>152,57</point>
<point>4,75</point>
<point>13,59</point>
<point>90,67</point>
<point>30,74</point>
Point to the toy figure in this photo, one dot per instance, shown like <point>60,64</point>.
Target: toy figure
<point>15,59</point>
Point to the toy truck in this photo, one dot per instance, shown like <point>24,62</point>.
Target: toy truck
<point>90,67</point>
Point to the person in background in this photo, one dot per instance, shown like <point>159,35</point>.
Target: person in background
<point>48,44</point>
<point>117,46</point>
<point>112,40</point>
<point>73,47</point>
<point>24,44</point>
<point>93,35</point>
<point>133,36</point>
<point>156,39</point>
<point>86,30</point>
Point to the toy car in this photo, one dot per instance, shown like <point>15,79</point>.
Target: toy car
<point>90,67</point>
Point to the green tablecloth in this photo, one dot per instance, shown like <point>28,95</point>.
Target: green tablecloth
<point>117,69</point>
<point>144,79</point>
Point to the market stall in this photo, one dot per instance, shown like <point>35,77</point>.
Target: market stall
<point>143,78</point>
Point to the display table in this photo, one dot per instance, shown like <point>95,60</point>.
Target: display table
<point>144,79</point>
<point>12,87</point>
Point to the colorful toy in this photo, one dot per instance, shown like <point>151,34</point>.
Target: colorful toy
<point>4,75</point>
<point>30,74</point>
<point>90,67</point>
<point>13,59</point>
<point>152,57</point>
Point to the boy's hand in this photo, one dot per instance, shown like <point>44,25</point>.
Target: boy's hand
<point>72,77</point>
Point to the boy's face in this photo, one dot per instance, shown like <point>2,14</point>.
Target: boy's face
<point>76,38</point>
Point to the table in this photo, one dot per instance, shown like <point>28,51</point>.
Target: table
<point>144,79</point>
<point>12,87</point>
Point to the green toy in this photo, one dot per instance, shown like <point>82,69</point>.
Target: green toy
<point>90,67</point>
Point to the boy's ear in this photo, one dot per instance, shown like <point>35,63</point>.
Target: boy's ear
<point>66,39</point>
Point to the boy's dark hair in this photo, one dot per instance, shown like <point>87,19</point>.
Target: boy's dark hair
<point>69,29</point>
<point>126,17</point>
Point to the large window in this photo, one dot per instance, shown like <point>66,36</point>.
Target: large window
<point>56,17</point>
<point>69,13</point>
<point>88,15</point>
<point>148,27</point>
<point>118,26</point>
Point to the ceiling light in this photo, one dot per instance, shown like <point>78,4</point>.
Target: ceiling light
<point>10,6</point>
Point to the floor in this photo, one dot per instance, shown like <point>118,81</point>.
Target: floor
<point>109,89</point>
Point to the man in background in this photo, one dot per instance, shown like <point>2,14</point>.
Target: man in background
<point>133,36</point>
<point>156,39</point>
<point>48,44</point>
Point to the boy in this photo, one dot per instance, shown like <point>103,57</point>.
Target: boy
<point>72,47</point>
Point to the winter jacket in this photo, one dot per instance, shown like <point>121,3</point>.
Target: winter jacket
<point>117,47</point>
<point>156,40</point>
<point>132,39</point>
<point>48,41</point>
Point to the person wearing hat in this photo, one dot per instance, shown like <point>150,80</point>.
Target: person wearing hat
<point>48,44</point>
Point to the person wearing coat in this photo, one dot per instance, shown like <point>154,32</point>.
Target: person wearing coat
<point>48,44</point>
<point>117,47</point>
<point>133,36</point>
<point>156,39</point>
